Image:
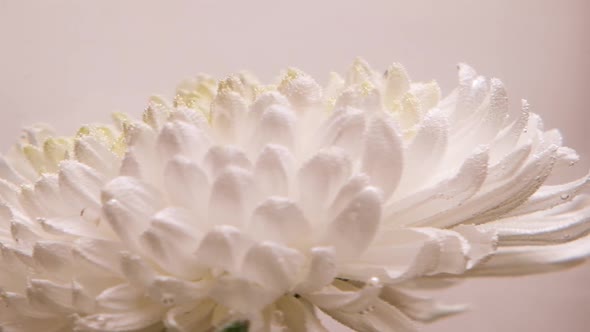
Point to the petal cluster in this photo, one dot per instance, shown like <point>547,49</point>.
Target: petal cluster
<point>265,205</point>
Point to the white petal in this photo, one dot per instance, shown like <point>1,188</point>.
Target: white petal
<point>191,116</point>
<point>82,299</point>
<point>137,271</point>
<point>127,205</point>
<point>100,255</point>
<point>279,219</point>
<point>472,92</point>
<point>141,139</point>
<point>382,157</point>
<point>9,173</point>
<point>9,213</point>
<point>522,260</point>
<point>426,150</point>
<point>21,305</point>
<point>502,198</point>
<point>51,324</point>
<point>172,292</point>
<point>80,185</point>
<point>561,224</point>
<point>8,192</point>
<point>18,261</point>
<point>178,223</point>
<point>223,247</point>
<point>54,257</point>
<point>90,151</point>
<point>219,158</point>
<point>444,195</point>
<point>190,318</point>
<point>482,243</point>
<point>419,308</point>
<point>566,157</point>
<point>227,110</point>
<point>242,295</point>
<point>24,234</point>
<point>509,165</point>
<point>453,250</point>
<point>72,226</point>
<point>272,170</point>
<point>130,165</point>
<point>232,197</point>
<point>301,89</point>
<point>273,266</point>
<point>123,297</point>
<point>157,112</point>
<point>353,187</point>
<point>334,86</point>
<point>320,178</point>
<point>345,297</point>
<point>508,139</point>
<point>145,319</point>
<point>411,252</point>
<point>359,72</point>
<point>299,315</point>
<point>134,194</point>
<point>182,138</point>
<point>29,202</point>
<point>364,96</point>
<point>47,193</point>
<point>354,228</point>
<point>124,222</point>
<point>264,101</point>
<point>497,113</point>
<point>345,130</point>
<point>321,270</point>
<point>550,196</point>
<point>382,317</point>
<point>186,184</point>
<point>277,125</point>
<point>397,83</point>
<point>397,255</point>
<point>549,138</point>
<point>171,241</point>
<point>428,94</point>
<point>50,297</point>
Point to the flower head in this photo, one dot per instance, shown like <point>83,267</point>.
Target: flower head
<point>267,204</point>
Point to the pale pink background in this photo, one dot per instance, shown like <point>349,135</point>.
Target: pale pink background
<point>72,62</point>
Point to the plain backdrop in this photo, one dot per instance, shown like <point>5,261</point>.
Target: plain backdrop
<point>73,62</point>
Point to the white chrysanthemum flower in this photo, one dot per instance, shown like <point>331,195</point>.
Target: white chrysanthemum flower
<point>239,202</point>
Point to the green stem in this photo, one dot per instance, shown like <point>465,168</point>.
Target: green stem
<point>239,326</point>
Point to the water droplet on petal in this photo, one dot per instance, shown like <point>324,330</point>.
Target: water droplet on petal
<point>374,281</point>
<point>101,321</point>
<point>168,300</point>
<point>367,310</point>
<point>565,196</point>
